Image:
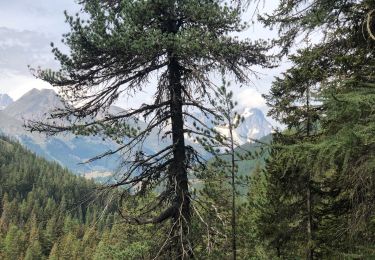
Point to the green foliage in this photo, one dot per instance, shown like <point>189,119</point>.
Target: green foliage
<point>45,208</point>
<point>312,197</point>
<point>116,49</point>
<point>45,219</point>
<point>319,178</point>
<point>225,178</point>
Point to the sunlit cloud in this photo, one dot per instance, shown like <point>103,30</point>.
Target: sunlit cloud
<point>15,85</point>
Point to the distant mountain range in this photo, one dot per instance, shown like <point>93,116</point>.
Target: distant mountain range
<point>70,151</point>
<point>33,104</point>
<point>5,101</point>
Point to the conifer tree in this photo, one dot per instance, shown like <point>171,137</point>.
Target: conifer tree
<point>229,120</point>
<point>13,243</point>
<point>339,66</point>
<point>117,50</point>
<point>265,229</point>
<point>34,251</point>
<point>221,141</point>
<point>293,101</point>
<point>54,253</point>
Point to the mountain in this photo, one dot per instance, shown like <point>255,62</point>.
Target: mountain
<point>34,104</point>
<point>66,149</point>
<point>70,151</point>
<point>253,126</point>
<point>5,101</point>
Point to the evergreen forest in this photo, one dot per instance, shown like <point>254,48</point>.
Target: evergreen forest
<point>307,191</point>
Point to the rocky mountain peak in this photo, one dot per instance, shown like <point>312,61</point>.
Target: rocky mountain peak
<point>34,104</point>
<point>254,126</point>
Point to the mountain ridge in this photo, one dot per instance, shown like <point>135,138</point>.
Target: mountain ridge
<point>69,150</point>
<point>34,103</point>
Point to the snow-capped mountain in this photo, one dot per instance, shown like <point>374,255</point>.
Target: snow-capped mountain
<point>5,101</point>
<point>253,126</point>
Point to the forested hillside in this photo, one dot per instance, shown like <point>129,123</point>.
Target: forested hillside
<point>48,213</point>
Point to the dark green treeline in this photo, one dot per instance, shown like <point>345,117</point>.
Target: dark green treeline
<point>48,213</point>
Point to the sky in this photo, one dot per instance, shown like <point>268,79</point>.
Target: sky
<point>27,27</point>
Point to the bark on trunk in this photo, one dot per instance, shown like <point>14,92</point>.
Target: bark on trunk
<point>178,171</point>
<point>233,184</point>
<point>310,249</point>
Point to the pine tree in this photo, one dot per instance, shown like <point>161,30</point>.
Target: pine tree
<point>340,69</point>
<point>282,210</point>
<point>230,119</point>
<point>34,251</point>
<point>116,51</point>
<point>262,236</point>
<point>220,141</point>
<point>54,253</point>
<point>69,248</point>
<point>346,160</point>
<point>13,243</point>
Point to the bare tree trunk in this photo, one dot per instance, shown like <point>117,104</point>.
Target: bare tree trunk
<point>233,184</point>
<point>178,171</point>
<point>278,252</point>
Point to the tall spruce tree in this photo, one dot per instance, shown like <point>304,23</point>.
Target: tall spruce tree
<point>116,49</point>
<point>340,156</point>
<point>231,120</point>
<point>293,102</point>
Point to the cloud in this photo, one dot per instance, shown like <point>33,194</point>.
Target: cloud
<point>17,85</point>
<point>28,27</point>
<point>250,97</point>
<point>40,15</point>
<point>18,49</point>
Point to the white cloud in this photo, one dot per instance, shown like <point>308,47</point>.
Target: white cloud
<point>15,85</point>
<point>18,49</point>
<point>250,97</point>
